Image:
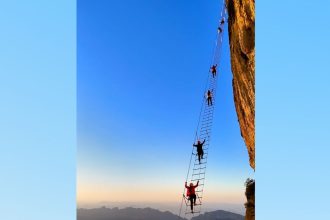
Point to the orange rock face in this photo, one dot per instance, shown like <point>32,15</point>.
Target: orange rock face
<point>241,19</point>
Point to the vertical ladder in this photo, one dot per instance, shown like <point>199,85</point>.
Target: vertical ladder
<point>197,170</point>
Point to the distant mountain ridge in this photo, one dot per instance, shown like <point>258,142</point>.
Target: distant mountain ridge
<point>125,214</point>
<point>147,214</point>
<point>219,215</point>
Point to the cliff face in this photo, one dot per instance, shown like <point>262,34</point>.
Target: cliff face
<point>241,37</point>
<point>241,19</point>
<point>250,196</point>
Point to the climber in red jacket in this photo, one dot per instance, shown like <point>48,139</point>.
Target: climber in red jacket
<point>191,194</point>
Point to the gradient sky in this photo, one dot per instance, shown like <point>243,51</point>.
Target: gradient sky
<point>141,73</point>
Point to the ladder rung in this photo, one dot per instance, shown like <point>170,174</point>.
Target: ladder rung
<point>208,113</point>
<point>194,205</point>
<point>207,118</point>
<point>198,179</point>
<point>204,133</point>
<point>192,212</point>
<point>206,144</point>
<point>207,122</point>
<point>204,158</point>
<point>200,168</point>
<point>199,174</point>
<point>205,153</point>
<point>208,110</point>
<point>201,158</point>
<point>206,126</point>
<point>204,136</point>
<point>199,163</point>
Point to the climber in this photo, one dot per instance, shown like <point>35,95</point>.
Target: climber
<point>219,30</point>
<point>191,194</point>
<point>209,98</point>
<point>213,70</point>
<point>222,21</point>
<point>200,151</point>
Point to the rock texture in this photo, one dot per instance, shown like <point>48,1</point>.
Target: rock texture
<point>241,19</point>
<point>250,196</point>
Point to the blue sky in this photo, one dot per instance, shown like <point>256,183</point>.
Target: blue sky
<point>141,74</point>
<point>38,111</point>
<point>38,84</point>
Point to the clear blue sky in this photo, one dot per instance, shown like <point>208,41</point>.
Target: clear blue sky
<point>142,66</point>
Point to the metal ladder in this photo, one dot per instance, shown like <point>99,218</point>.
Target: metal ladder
<point>203,132</point>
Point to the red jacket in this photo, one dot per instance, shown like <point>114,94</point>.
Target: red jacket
<point>191,189</point>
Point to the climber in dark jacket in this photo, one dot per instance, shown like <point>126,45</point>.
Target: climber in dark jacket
<point>209,97</point>
<point>191,194</point>
<point>222,21</point>
<point>213,70</point>
<point>200,151</point>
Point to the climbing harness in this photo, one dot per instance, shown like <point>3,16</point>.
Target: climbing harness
<point>203,131</point>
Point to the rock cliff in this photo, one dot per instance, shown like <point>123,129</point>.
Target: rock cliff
<point>241,18</point>
<point>250,196</point>
<point>241,27</point>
